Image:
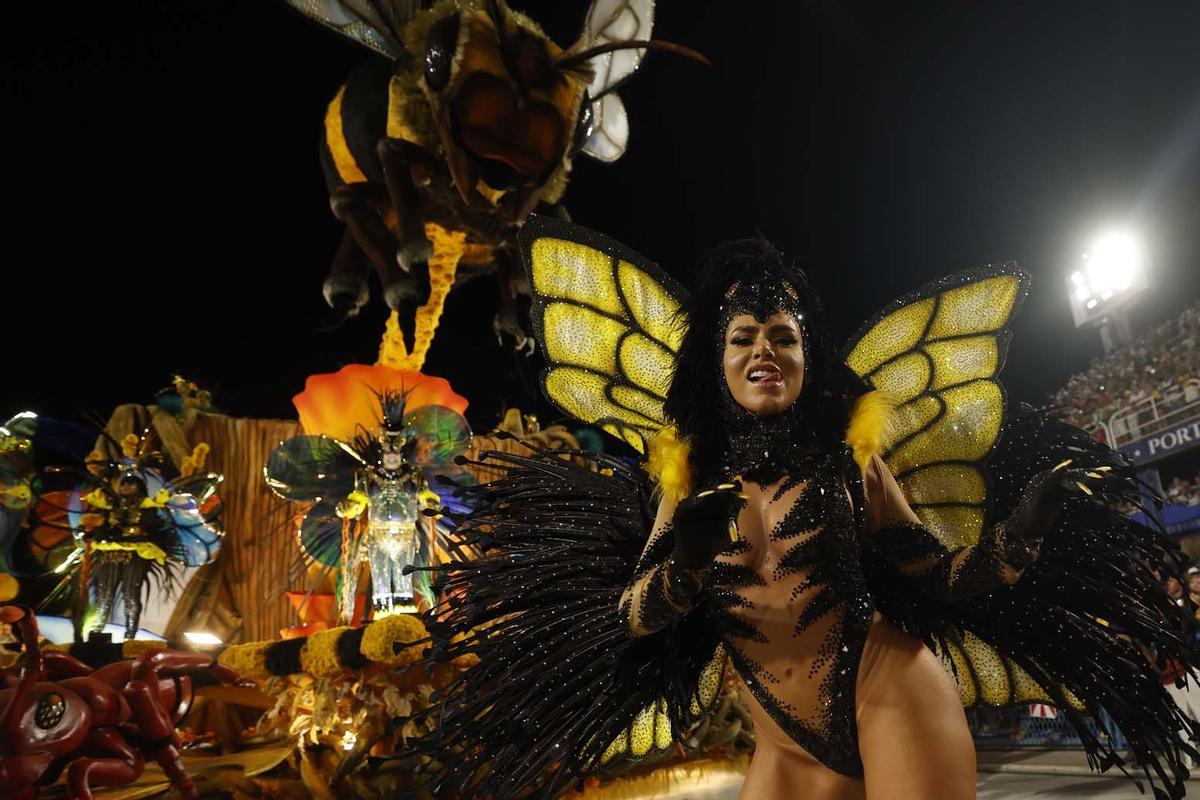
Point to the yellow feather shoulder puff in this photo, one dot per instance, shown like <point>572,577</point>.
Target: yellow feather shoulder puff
<point>669,464</point>
<point>871,424</point>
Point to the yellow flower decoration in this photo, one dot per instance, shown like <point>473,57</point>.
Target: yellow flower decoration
<point>429,498</point>
<point>249,659</point>
<point>91,520</point>
<point>148,551</point>
<point>96,498</point>
<point>16,496</point>
<point>319,655</point>
<point>95,462</point>
<point>383,640</point>
<point>353,506</point>
<point>129,445</point>
<point>158,501</point>
<point>194,462</point>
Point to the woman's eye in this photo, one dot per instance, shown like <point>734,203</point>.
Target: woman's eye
<point>786,341</point>
<point>741,341</point>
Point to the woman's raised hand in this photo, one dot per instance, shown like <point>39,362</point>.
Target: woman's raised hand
<point>705,523</point>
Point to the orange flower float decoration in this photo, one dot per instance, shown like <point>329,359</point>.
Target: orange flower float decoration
<point>341,403</point>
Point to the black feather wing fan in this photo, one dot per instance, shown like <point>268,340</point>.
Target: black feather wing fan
<point>1087,627</point>
<point>560,688</point>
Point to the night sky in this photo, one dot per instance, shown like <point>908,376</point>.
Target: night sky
<point>166,210</point>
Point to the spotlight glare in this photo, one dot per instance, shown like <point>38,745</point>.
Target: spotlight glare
<point>1115,263</point>
<point>202,638</point>
<point>1108,277</point>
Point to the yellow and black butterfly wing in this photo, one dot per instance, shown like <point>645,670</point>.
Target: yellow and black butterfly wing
<point>609,325</point>
<point>938,352</point>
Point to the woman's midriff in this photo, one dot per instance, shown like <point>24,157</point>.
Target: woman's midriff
<point>780,765</point>
<point>797,629</point>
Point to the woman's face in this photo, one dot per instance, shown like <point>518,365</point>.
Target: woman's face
<point>764,362</point>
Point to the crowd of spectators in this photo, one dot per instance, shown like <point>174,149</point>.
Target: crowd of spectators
<point>1184,492</point>
<point>1162,363</point>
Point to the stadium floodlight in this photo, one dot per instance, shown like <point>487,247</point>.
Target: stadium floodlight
<point>1110,276</point>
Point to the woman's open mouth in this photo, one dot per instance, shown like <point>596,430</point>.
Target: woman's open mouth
<point>765,375</point>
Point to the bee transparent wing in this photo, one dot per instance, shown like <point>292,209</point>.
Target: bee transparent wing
<point>372,23</point>
<point>616,21</point>
<point>610,130</point>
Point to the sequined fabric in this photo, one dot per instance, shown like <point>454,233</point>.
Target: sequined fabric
<point>818,580</point>
<point>919,554</point>
<point>790,598</point>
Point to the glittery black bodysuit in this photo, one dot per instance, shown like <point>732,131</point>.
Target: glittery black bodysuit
<point>790,598</point>
<point>791,603</point>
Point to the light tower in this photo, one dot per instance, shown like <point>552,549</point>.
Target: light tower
<point>1103,289</point>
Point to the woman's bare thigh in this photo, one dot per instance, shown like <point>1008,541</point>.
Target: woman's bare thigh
<point>912,733</point>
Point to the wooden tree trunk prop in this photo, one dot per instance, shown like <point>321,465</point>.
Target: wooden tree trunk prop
<point>258,557</point>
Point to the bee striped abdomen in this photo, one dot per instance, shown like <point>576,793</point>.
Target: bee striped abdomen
<point>355,121</point>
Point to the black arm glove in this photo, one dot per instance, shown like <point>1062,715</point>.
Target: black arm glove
<point>1037,511</point>
<point>702,525</point>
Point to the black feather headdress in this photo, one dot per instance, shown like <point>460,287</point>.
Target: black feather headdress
<point>752,276</point>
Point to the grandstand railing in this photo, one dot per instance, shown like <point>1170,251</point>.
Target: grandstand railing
<point>1132,422</point>
<point>1099,431</point>
<point>1016,726</point>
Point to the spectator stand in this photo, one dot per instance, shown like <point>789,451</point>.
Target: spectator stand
<point>1144,400</point>
<point>1034,725</point>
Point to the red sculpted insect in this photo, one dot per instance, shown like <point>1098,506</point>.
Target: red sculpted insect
<point>99,725</point>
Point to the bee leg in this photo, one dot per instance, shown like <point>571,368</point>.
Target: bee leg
<point>512,285</point>
<point>407,288</point>
<point>346,290</point>
<point>404,165</point>
<point>405,296</point>
<point>360,207</point>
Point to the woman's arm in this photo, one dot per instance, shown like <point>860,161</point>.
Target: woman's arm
<point>645,603</point>
<point>997,559</point>
<point>674,564</point>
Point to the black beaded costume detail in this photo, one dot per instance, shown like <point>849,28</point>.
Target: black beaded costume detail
<point>910,545</point>
<point>823,564</point>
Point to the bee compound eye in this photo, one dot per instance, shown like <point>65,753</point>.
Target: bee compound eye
<point>441,43</point>
<point>50,709</point>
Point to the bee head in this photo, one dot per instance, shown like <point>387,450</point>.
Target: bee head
<point>505,112</point>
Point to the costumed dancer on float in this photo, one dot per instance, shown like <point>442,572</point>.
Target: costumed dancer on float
<point>125,525</point>
<point>831,539</point>
<point>377,442</point>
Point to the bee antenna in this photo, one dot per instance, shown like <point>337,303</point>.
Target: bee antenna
<point>569,60</point>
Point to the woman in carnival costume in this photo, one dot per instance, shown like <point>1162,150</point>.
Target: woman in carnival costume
<point>827,537</point>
